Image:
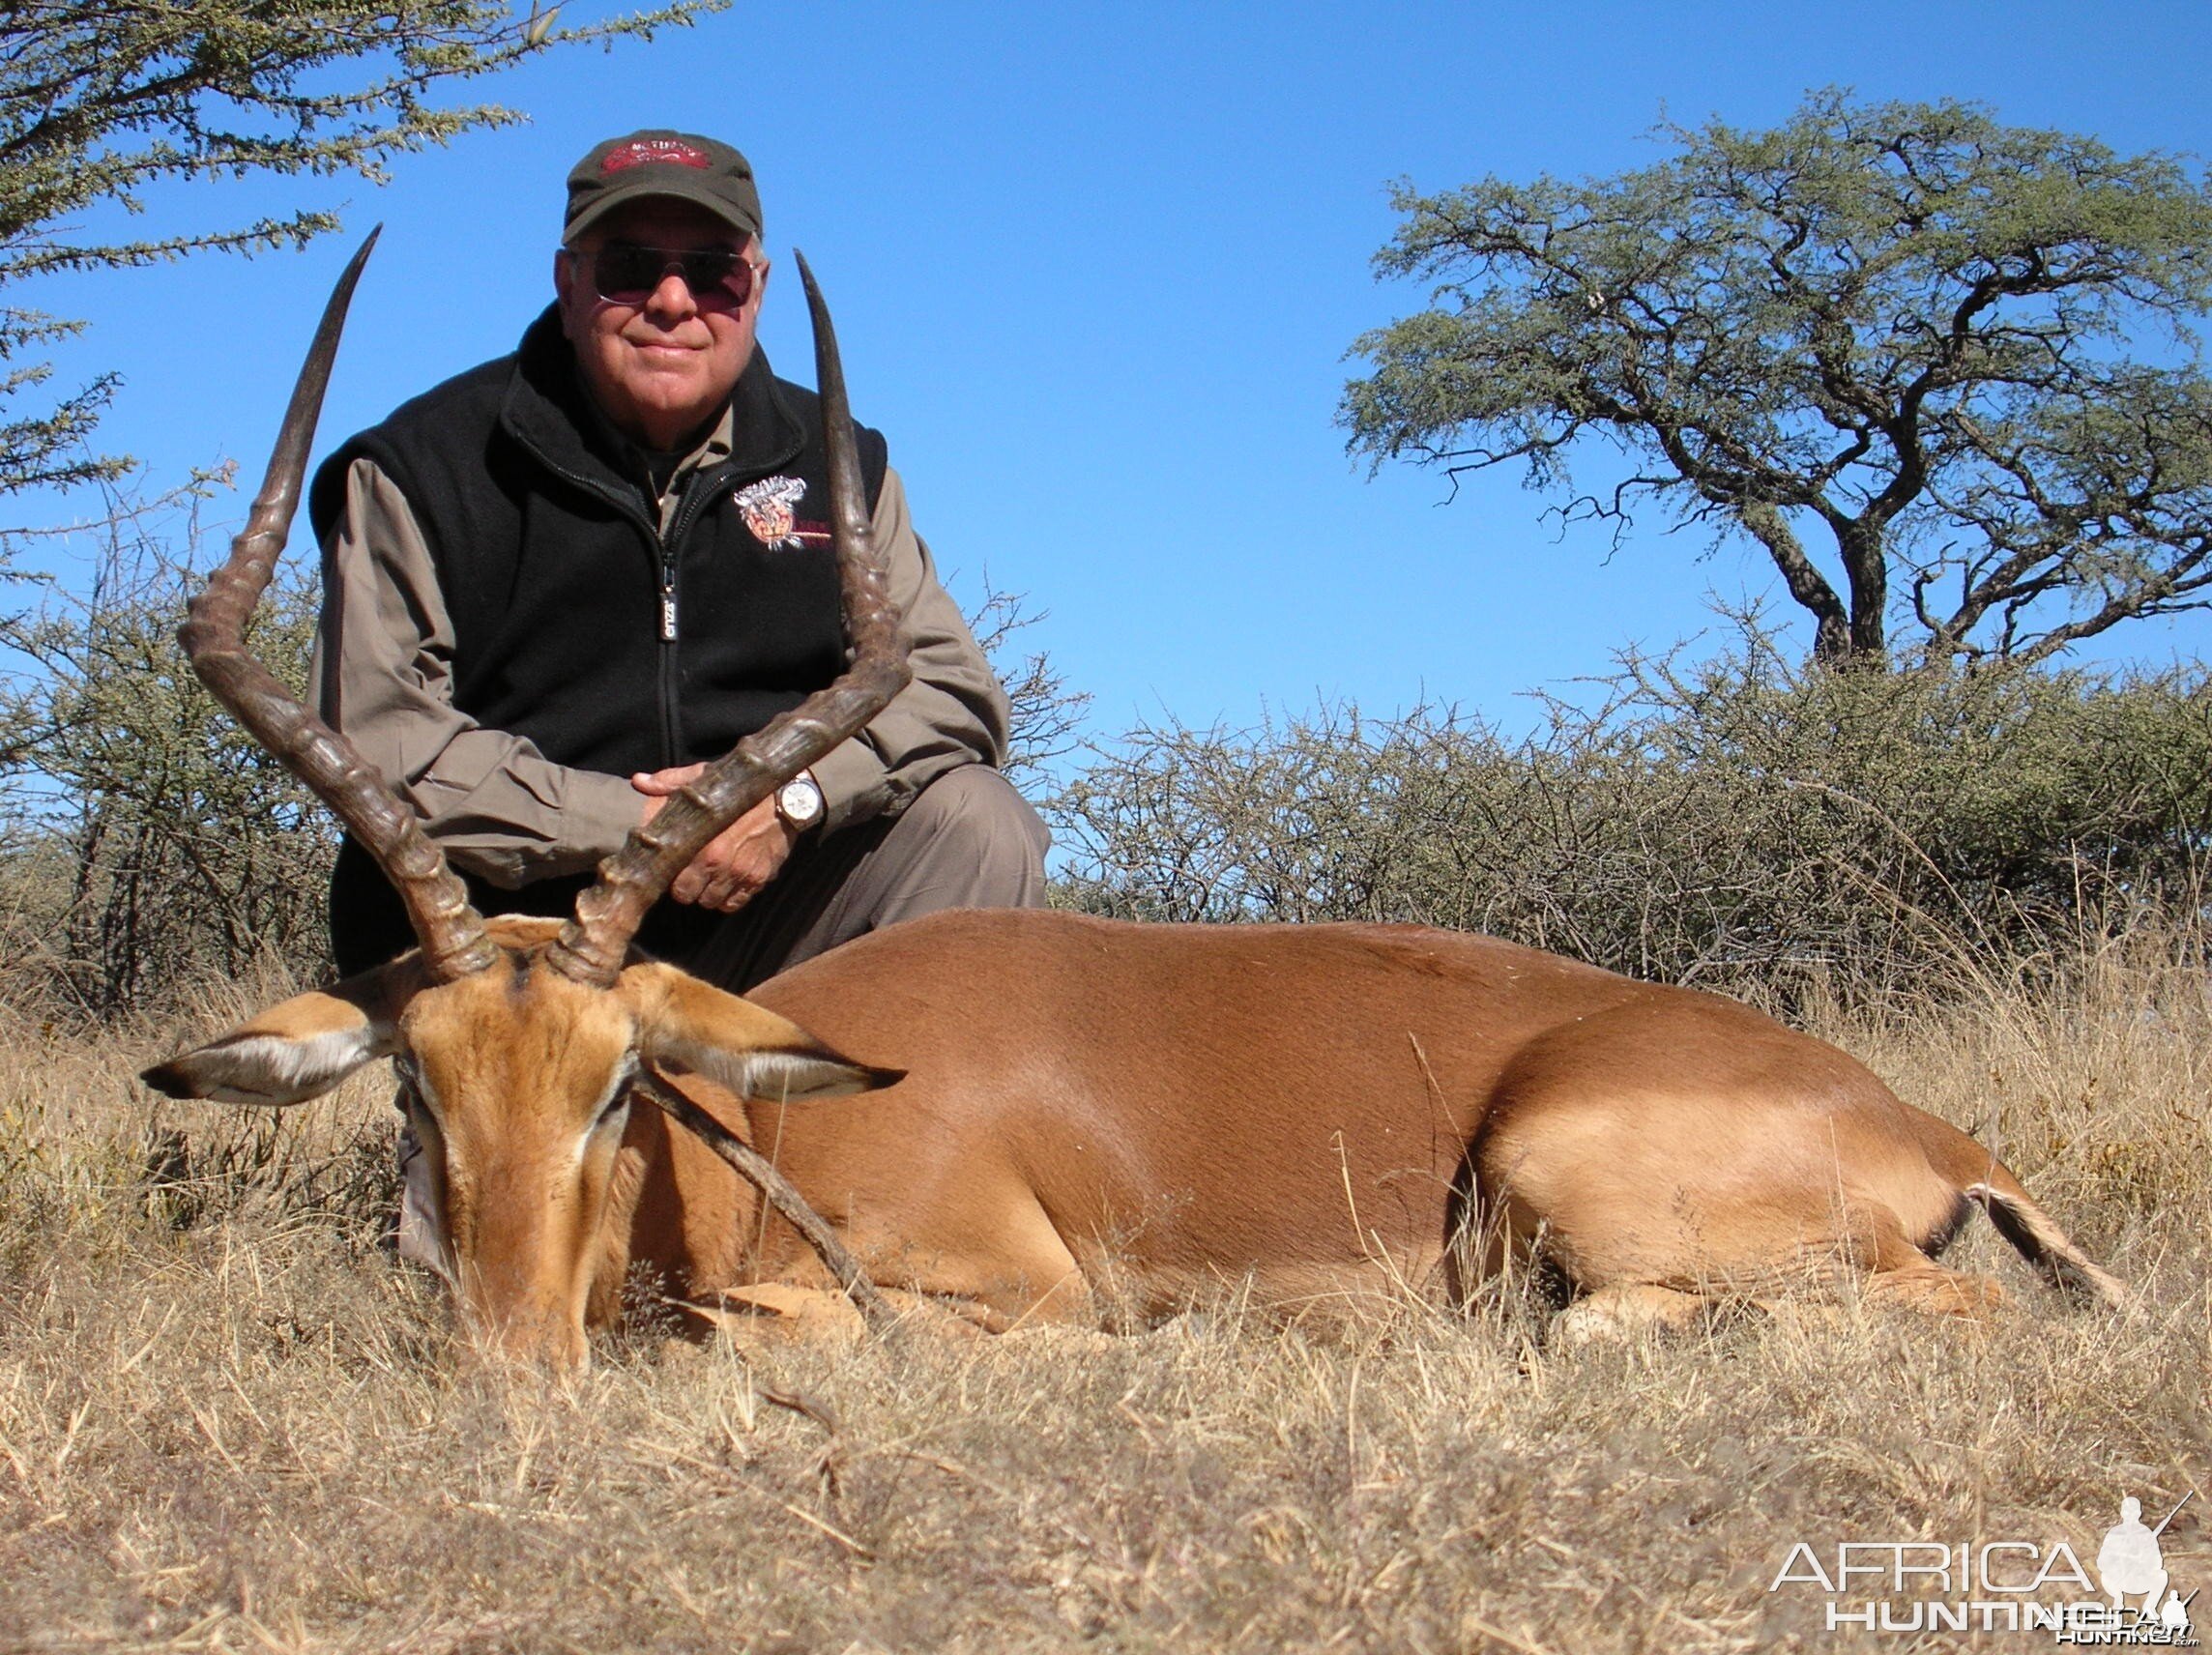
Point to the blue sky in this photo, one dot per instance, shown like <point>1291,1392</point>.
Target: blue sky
<point>1096,269</point>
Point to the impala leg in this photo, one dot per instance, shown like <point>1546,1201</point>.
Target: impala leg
<point>1624,1311</point>
<point>1004,1267</point>
<point>1905,1276</point>
<point>1066,1302</point>
<point>773,1313</point>
<point>1934,1291</point>
<point>1653,1145</point>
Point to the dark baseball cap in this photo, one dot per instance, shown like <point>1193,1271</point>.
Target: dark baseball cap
<point>678,167</point>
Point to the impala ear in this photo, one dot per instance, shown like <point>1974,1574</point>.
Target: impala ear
<point>296,1050</point>
<point>747,1048</point>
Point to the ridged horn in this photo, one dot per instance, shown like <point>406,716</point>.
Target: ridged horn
<point>213,639</point>
<point>592,945</point>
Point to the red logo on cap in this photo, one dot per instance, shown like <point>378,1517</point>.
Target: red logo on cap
<point>654,152</point>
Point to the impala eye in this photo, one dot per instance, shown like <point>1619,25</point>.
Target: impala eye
<point>618,1098</point>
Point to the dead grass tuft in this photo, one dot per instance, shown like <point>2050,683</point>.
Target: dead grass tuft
<point>228,1421</point>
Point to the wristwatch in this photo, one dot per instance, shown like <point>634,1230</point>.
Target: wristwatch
<point>799,802</point>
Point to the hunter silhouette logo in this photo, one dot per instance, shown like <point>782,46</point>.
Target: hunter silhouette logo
<point>2130,1563</point>
<point>2005,1586</point>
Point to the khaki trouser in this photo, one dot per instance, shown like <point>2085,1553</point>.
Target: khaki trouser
<point>967,840</point>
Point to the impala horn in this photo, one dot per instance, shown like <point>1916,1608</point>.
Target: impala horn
<point>592,946</point>
<point>213,637</point>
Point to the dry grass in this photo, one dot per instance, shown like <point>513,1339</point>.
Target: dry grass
<point>228,1421</point>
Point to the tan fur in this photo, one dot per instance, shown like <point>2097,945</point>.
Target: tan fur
<point>1100,1122</point>
<point>525,1182</point>
<point>1326,1109</point>
<point>1626,1309</point>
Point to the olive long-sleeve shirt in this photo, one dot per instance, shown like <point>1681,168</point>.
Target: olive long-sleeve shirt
<point>497,806</point>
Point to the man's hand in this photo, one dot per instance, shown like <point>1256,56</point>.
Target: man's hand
<point>737,862</point>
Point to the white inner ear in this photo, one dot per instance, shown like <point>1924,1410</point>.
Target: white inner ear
<point>773,1075</point>
<point>276,1068</point>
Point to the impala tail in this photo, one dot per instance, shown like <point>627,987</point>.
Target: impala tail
<point>1980,1177</point>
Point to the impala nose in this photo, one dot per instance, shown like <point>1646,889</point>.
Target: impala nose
<point>531,1338</point>
<point>522,1324</point>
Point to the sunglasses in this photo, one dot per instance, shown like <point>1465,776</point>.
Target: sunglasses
<point>626,274</point>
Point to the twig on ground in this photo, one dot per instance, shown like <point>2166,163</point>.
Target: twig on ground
<point>756,1168</point>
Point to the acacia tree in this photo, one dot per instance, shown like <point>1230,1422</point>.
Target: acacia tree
<point>1949,362</point>
<point>102,100</point>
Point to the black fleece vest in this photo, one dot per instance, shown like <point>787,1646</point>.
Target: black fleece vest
<point>555,576</point>
<point>575,624</point>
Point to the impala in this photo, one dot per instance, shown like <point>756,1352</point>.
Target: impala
<point>1062,1117</point>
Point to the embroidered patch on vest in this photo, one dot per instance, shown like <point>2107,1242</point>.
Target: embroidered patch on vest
<point>768,508</point>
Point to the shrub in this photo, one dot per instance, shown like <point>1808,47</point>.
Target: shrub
<point>149,840</point>
<point>1740,821</point>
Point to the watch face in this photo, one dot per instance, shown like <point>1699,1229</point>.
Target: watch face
<point>799,802</point>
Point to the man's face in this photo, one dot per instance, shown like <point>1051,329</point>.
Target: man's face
<point>662,368</point>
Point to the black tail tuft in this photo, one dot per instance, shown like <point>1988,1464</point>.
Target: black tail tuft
<point>2039,1241</point>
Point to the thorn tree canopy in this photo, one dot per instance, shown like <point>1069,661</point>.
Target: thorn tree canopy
<point>101,99</point>
<point>1949,362</point>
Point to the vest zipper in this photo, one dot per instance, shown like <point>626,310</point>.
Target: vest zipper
<point>696,498</point>
<point>664,679</point>
<point>666,686</point>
